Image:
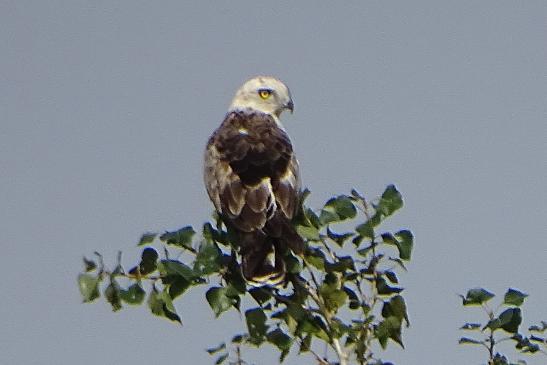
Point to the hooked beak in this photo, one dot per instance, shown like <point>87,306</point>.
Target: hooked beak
<point>290,106</point>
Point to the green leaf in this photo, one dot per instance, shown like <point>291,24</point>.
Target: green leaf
<point>357,240</point>
<point>112,295</point>
<point>471,326</point>
<point>89,265</point>
<point>398,261</point>
<point>510,320</point>
<point>315,257</point>
<point>354,302</point>
<point>208,232</point>
<point>214,350</point>
<point>392,277</point>
<point>147,238</point>
<point>337,209</point>
<point>213,235</point>
<point>366,230</point>
<point>304,194</point>
<point>233,276</point>
<point>390,201</point>
<point>178,285</point>
<point>469,341</point>
<point>342,264</point>
<point>476,296</point>
<point>174,267</point>
<point>286,317</point>
<point>338,238</point>
<point>311,218</point>
<point>339,328</point>
<point>133,295</point>
<point>315,326</point>
<point>373,263</point>
<point>221,359</point>
<point>161,305</point>
<point>256,324</point>
<point>280,339</point>
<point>327,216</point>
<point>155,303</point>
<point>333,298</point>
<point>389,328</point>
<point>405,241</point>
<point>308,232</point>
<point>261,294</point>
<point>514,297</point>
<point>396,307</point>
<point>493,324</point>
<point>169,308</point>
<point>305,345</point>
<point>221,299</point>
<point>148,262</point>
<point>388,239</point>
<point>294,266</point>
<point>240,338</point>
<point>536,328</point>
<point>527,345</point>
<point>384,289</point>
<point>331,280</point>
<point>283,355</point>
<point>181,238</point>
<point>89,287</point>
<point>207,260</point>
<point>500,360</point>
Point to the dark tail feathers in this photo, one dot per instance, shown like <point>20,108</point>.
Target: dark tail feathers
<point>262,252</point>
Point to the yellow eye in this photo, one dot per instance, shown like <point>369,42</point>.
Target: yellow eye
<point>264,93</point>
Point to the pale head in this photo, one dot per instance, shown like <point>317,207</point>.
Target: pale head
<point>265,94</point>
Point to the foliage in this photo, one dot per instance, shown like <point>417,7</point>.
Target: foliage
<point>502,325</point>
<point>343,291</point>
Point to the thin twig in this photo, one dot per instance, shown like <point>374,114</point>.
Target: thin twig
<point>327,315</point>
<point>238,354</point>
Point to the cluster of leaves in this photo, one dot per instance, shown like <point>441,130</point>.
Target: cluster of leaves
<point>502,327</point>
<point>168,278</point>
<point>343,291</point>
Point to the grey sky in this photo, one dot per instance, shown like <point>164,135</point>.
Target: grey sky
<point>105,109</point>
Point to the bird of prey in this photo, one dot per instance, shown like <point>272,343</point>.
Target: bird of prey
<point>252,177</point>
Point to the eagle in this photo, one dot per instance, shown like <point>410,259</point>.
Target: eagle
<point>252,177</point>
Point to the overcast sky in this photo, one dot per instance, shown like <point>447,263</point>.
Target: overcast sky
<point>105,108</point>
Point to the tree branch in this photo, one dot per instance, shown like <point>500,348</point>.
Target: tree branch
<point>326,314</point>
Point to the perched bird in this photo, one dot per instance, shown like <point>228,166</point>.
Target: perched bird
<point>252,177</point>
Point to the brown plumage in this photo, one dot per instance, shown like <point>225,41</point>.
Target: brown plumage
<point>252,177</point>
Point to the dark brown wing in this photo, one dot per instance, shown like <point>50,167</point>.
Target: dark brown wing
<point>252,177</point>
<point>250,170</point>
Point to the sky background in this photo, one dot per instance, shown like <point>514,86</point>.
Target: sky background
<point>105,108</point>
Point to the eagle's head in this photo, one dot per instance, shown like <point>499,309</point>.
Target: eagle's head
<point>265,94</point>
